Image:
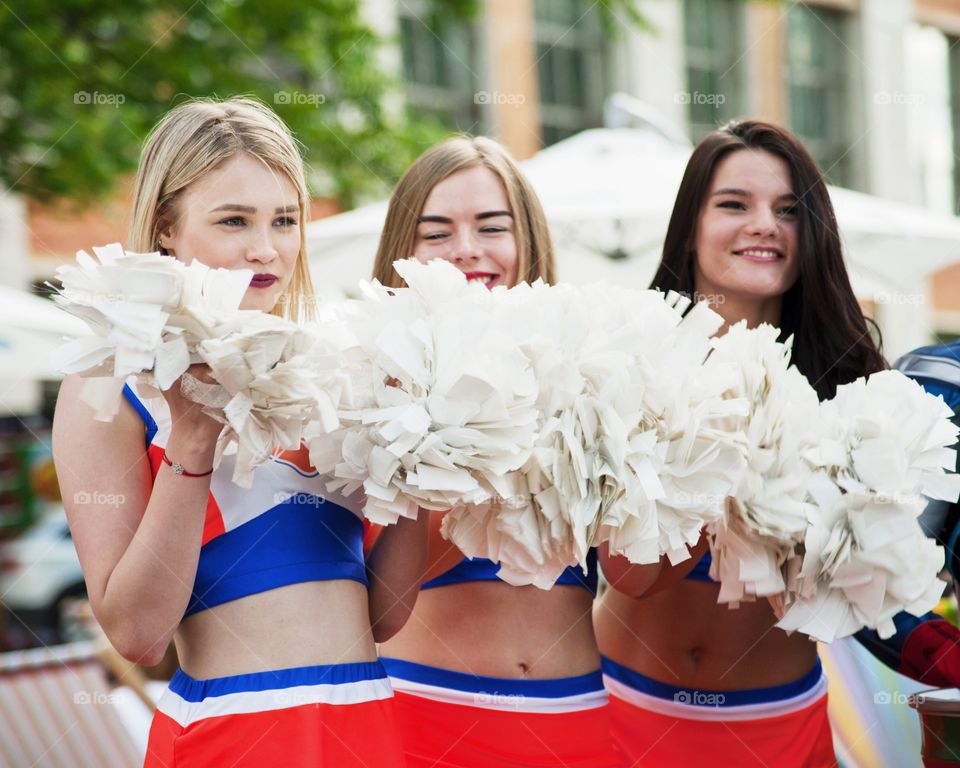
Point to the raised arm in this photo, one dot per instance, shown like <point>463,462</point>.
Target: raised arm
<point>138,539</point>
<point>398,562</point>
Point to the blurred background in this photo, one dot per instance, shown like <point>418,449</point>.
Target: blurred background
<point>602,100</point>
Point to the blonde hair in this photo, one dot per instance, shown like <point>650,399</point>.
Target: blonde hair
<point>197,137</point>
<point>534,245</point>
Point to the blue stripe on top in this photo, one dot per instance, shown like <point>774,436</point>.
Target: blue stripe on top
<point>325,674</point>
<point>651,687</point>
<point>550,688</point>
<point>291,543</point>
<point>141,409</point>
<point>481,569</point>
<point>305,538</point>
<point>701,571</point>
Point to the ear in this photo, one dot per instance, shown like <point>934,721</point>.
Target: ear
<point>164,240</point>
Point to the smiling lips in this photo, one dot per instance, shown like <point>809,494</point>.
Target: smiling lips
<point>489,279</point>
<point>263,280</point>
<point>760,255</point>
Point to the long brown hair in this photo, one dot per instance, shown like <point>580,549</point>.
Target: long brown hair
<point>535,257</point>
<point>832,343</point>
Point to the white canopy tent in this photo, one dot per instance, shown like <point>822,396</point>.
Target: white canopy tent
<point>30,328</point>
<point>608,194</point>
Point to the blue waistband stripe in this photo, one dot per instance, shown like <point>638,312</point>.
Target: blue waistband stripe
<point>194,690</point>
<point>550,688</point>
<point>651,687</point>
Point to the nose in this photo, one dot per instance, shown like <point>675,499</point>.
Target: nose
<point>260,246</point>
<point>764,221</point>
<point>464,248</point>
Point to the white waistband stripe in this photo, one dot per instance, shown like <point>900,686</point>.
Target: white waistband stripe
<point>708,706</point>
<point>502,701</point>
<point>187,712</point>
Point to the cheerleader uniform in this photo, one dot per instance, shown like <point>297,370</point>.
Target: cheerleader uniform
<point>452,719</point>
<point>276,533</point>
<point>659,724</point>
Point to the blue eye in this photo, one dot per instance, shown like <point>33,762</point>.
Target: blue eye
<point>232,221</point>
<point>286,221</point>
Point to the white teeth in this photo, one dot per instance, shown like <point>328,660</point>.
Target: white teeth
<point>771,255</point>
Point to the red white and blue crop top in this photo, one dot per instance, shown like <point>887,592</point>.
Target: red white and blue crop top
<point>481,569</point>
<point>283,530</point>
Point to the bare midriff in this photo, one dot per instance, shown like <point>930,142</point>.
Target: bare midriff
<point>306,624</point>
<point>498,630</point>
<point>682,637</point>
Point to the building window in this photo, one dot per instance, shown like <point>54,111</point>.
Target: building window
<point>818,72</point>
<point>571,67</point>
<point>714,50</point>
<point>954,79</point>
<point>441,68</point>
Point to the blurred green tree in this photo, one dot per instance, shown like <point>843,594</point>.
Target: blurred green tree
<point>82,82</point>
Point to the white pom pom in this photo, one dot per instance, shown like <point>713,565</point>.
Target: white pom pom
<point>866,558</point>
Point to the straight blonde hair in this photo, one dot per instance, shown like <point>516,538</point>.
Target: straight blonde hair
<point>197,137</point>
<point>535,255</point>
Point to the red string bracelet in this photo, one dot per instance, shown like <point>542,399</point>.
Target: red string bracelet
<point>179,470</point>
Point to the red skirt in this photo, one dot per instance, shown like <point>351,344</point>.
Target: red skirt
<point>656,724</point>
<point>451,719</point>
<point>331,716</point>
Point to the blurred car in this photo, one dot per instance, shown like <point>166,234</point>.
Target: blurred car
<point>41,583</point>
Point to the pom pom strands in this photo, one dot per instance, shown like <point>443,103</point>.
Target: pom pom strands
<point>150,313</point>
<point>444,400</point>
<point>147,313</point>
<point>766,518</point>
<point>866,558</point>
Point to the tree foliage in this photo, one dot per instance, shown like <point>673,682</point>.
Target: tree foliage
<point>82,82</point>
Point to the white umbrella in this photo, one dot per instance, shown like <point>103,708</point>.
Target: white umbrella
<point>30,328</point>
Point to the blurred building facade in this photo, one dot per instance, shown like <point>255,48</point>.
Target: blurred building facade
<point>871,86</point>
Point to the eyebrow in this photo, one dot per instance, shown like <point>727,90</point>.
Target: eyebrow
<point>479,216</point>
<point>249,209</point>
<point>745,193</point>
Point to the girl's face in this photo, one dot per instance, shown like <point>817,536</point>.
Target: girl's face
<point>467,220</point>
<point>241,215</point>
<point>746,241</point>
